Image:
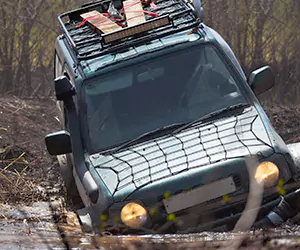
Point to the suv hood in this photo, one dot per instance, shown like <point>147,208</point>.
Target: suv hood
<point>153,161</point>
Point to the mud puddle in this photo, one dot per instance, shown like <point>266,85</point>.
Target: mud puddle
<point>43,225</point>
<point>49,226</point>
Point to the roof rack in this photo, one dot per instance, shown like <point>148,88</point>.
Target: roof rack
<point>172,16</point>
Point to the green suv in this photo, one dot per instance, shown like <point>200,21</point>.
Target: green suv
<point>162,131</point>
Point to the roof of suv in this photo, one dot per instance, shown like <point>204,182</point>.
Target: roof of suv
<point>93,65</point>
<point>171,17</point>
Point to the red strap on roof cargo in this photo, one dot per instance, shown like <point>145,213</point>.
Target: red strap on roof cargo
<point>146,12</point>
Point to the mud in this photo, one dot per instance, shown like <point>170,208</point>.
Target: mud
<point>40,226</point>
<point>47,225</point>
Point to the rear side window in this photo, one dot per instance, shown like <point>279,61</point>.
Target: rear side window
<point>58,67</point>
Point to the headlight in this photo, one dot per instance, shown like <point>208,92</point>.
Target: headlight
<point>267,173</point>
<point>133,215</point>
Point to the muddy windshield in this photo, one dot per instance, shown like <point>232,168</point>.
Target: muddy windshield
<point>175,88</point>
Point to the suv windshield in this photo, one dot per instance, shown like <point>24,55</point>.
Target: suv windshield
<point>176,88</point>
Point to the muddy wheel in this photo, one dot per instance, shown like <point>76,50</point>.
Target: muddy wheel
<point>66,170</point>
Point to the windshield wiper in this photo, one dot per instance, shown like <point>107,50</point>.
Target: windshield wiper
<point>209,115</point>
<point>142,136</point>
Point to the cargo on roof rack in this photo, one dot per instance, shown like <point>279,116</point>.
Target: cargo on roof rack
<point>107,26</point>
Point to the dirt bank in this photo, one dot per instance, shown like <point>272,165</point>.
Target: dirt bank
<point>286,121</point>
<point>27,172</point>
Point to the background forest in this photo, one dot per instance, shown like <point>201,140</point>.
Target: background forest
<point>260,32</point>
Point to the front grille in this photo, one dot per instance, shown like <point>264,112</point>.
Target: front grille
<point>237,181</point>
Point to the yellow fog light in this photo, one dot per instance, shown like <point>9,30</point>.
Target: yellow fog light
<point>133,215</point>
<point>267,173</point>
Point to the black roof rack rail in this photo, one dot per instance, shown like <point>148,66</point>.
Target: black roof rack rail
<point>173,16</point>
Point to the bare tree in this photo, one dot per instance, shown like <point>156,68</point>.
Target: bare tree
<point>27,35</point>
<point>259,31</point>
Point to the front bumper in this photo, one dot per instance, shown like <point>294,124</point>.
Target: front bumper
<point>227,215</point>
<point>221,215</point>
<point>214,214</point>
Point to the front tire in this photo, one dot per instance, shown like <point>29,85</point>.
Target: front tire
<point>66,170</point>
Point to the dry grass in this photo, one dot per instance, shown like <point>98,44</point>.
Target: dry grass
<point>16,184</point>
<point>24,162</point>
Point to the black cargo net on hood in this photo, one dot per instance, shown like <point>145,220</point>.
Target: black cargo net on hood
<point>160,158</point>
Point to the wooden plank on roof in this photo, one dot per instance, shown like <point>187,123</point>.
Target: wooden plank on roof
<point>100,22</point>
<point>134,12</point>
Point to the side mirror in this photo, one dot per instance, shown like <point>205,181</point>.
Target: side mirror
<point>198,9</point>
<point>58,143</point>
<point>63,88</point>
<point>201,14</point>
<point>262,80</point>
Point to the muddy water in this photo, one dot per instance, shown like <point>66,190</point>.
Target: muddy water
<point>35,228</point>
